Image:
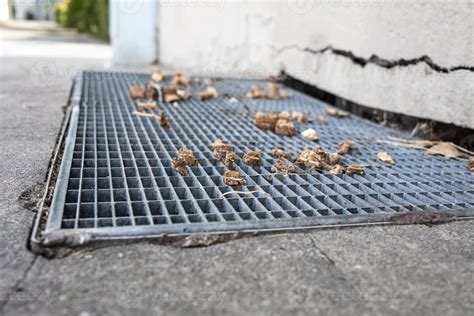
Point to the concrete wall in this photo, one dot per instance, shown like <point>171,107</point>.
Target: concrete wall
<point>258,38</point>
<point>133,31</point>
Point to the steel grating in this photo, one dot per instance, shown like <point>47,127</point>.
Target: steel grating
<point>116,179</point>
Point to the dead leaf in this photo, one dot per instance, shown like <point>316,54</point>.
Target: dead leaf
<point>285,128</point>
<point>385,157</point>
<point>148,105</point>
<point>281,153</point>
<point>310,134</point>
<point>252,158</point>
<point>447,150</point>
<point>180,79</point>
<point>221,149</point>
<point>209,93</point>
<point>156,75</point>
<point>470,164</point>
<point>355,169</point>
<point>280,166</point>
<point>233,178</point>
<point>300,117</point>
<point>137,92</point>
<point>318,159</point>
<point>229,159</point>
<point>336,113</point>
<point>256,92</point>
<point>187,156</point>
<point>180,166</point>
<point>164,120</point>
<point>151,93</point>
<point>345,146</point>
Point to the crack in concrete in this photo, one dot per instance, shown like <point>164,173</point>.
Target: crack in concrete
<point>376,60</point>
<point>323,254</point>
<point>385,63</point>
<point>17,286</point>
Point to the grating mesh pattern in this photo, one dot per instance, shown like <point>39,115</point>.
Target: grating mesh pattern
<point>121,174</point>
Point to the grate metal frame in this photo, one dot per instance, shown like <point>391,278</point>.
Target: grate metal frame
<point>115,180</point>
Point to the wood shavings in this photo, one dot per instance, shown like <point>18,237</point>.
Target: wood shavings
<point>137,92</point>
<point>385,157</point>
<point>345,146</point>
<point>321,119</point>
<point>281,153</point>
<point>336,113</point>
<point>252,158</point>
<point>355,169</point>
<point>180,79</point>
<point>470,164</point>
<point>284,127</point>
<point>148,105</point>
<point>174,93</point>
<point>164,120</point>
<point>300,117</point>
<point>281,166</point>
<point>446,149</point>
<point>209,93</point>
<point>310,134</point>
<point>233,178</point>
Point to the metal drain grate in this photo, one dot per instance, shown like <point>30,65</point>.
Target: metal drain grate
<point>116,179</point>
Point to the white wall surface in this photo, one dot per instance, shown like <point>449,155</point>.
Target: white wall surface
<point>133,25</point>
<point>258,38</point>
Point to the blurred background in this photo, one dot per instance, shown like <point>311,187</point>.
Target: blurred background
<point>408,57</point>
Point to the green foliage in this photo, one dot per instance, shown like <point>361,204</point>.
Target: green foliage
<point>87,16</point>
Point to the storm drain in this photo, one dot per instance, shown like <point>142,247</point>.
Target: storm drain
<point>116,178</point>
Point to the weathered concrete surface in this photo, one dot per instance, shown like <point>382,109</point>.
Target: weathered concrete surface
<point>416,270</point>
<point>259,38</point>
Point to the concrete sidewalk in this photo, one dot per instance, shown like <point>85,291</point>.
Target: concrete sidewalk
<point>415,270</point>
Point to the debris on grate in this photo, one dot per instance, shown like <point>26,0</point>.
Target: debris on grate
<point>385,157</point>
<point>125,176</point>
<point>345,146</point>
<point>336,113</point>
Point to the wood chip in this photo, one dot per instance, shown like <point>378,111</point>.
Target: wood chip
<point>284,127</point>
<point>266,121</point>
<point>209,93</point>
<point>470,164</point>
<point>281,153</point>
<point>336,113</point>
<point>233,178</point>
<point>148,105</point>
<point>281,166</point>
<point>252,158</point>
<point>355,169</point>
<point>310,134</point>
<point>137,92</point>
<point>345,146</point>
<point>385,157</point>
